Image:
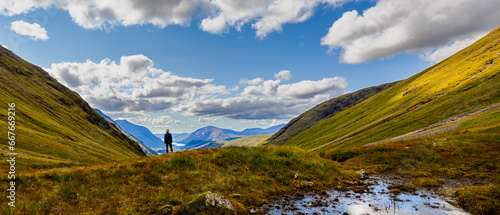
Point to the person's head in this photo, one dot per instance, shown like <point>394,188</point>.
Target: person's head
<point>168,130</point>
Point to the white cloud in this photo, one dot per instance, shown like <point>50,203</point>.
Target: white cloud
<point>266,16</point>
<point>266,88</point>
<point>446,51</point>
<point>217,16</point>
<point>255,81</point>
<point>14,7</point>
<point>162,120</point>
<point>284,75</point>
<point>266,99</point>
<point>308,89</point>
<point>394,26</point>
<point>93,14</point>
<point>132,88</point>
<point>133,84</point>
<point>34,31</point>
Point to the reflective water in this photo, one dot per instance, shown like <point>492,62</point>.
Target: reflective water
<point>377,201</point>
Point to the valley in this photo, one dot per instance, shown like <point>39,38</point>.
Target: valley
<point>434,135</point>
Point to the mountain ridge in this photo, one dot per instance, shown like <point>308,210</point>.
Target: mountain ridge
<point>147,150</point>
<point>323,111</point>
<point>54,125</point>
<point>466,81</point>
<point>214,134</point>
<point>142,133</point>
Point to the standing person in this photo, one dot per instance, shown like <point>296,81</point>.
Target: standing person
<point>168,141</point>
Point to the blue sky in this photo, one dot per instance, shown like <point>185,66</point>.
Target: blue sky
<point>232,63</point>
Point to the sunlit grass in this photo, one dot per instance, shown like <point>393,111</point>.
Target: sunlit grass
<point>472,152</point>
<point>247,176</point>
<point>464,82</point>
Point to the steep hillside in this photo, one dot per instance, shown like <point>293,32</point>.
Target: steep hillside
<point>252,140</point>
<point>321,112</point>
<point>54,125</point>
<point>463,83</point>
<point>142,133</point>
<point>148,151</point>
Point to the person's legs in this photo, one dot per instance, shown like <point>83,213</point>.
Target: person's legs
<point>171,149</point>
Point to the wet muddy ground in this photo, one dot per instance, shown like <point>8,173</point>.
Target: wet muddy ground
<point>375,200</point>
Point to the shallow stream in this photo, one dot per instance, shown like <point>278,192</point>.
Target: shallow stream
<point>378,200</point>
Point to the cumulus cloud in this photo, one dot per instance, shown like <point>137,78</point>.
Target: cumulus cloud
<point>95,13</point>
<point>448,50</point>
<point>266,99</point>
<point>14,7</point>
<point>162,120</point>
<point>284,75</point>
<point>266,16</point>
<point>132,84</point>
<point>393,26</point>
<point>255,81</point>
<point>33,31</point>
<point>266,88</point>
<point>133,88</point>
<point>217,16</point>
<point>308,89</point>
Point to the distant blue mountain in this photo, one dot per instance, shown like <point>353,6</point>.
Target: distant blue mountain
<point>144,148</point>
<point>260,131</point>
<point>174,136</point>
<point>213,134</point>
<point>142,133</point>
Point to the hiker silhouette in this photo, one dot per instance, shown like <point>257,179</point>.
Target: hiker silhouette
<point>168,141</point>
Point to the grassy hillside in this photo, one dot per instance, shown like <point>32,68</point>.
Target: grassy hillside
<point>469,153</point>
<point>55,127</point>
<point>252,140</point>
<point>246,176</point>
<point>466,81</point>
<point>321,112</point>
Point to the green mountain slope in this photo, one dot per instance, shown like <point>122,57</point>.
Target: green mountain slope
<point>321,112</point>
<point>252,140</point>
<point>54,125</point>
<point>465,82</point>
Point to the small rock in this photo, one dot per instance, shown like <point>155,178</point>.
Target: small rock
<point>208,200</point>
<point>307,184</point>
<point>361,173</point>
<point>167,209</point>
<point>295,175</point>
<point>253,211</point>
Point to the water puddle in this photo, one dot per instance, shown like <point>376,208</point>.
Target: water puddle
<point>378,200</point>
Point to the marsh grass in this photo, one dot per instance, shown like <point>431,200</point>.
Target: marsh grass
<point>469,153</point>
<point>246,176</point>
